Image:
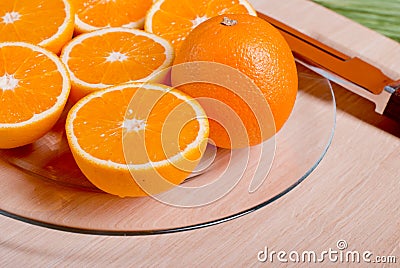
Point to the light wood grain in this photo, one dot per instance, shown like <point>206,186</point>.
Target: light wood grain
<point>353,195</point>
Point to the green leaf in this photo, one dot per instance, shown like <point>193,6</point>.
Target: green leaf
<point>382,16</point>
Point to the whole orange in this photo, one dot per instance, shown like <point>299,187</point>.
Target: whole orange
<point>255,48</point>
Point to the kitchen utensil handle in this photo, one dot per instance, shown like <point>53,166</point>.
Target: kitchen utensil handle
<point>393,107</point>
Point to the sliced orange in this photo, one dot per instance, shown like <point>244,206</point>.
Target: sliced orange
<point>47,23</point>
<point>95,14</point>
<point>137,139</point>
<point>34,88</point>
<point>111,56</point>
<point>175,19</point>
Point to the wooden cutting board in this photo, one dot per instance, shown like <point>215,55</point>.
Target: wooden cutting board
<point>342,199</point>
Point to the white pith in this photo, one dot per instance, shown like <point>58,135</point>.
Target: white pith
<point>8,82</point>
<point>134,125</point>
<point>85,27</point>
<point>116,56</point>
<point>11,17</point>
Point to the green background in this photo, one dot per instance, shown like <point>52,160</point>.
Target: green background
<point>380,15</point>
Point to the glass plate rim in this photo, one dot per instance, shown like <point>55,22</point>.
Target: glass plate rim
<point>191,227</point>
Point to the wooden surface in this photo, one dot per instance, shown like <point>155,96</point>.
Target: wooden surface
<point>352,195</point>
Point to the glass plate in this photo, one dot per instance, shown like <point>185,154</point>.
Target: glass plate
<point>53,193</point>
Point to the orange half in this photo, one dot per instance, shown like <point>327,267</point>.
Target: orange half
<point>34,88</point>
<point>112,56</point>
<point>47,23</point>
<point>137,139</point>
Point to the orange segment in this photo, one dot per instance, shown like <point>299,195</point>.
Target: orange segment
<point>174,19</point>
<point>48,23</point>
<point>34,88</point>
<point>137,139</point>
<point>95,14</point>
<point>112,56</point>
